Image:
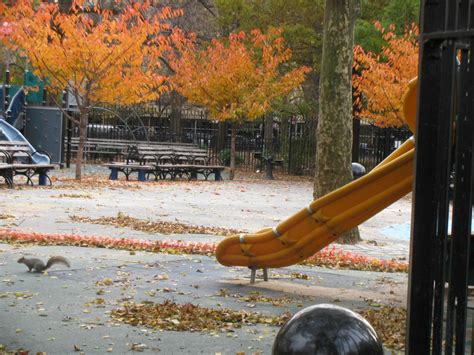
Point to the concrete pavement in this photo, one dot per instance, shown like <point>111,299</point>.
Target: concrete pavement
<point>56,313</point>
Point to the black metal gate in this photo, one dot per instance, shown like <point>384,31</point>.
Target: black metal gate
<point>439,260</point>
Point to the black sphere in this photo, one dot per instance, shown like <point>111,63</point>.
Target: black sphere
<point>327,330</point>
<point>358,170</point>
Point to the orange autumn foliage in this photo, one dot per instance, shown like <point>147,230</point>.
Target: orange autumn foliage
<point>5,27</point>
<point>237,78</point>
<point>380,80</point>
<point>101,57</point>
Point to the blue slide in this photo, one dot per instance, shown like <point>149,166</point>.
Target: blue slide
<point>10,133</point>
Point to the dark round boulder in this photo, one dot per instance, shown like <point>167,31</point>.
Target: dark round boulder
<point>358,170</point>
<point>327,330</point>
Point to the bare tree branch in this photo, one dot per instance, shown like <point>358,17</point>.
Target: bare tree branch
<point>207,7</point>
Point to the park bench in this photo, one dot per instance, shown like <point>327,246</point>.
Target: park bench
<point>128,168</point>
<point>18,155</point>
<point>114,150</point>
<point>6,171</point>
<point>99,148</point>
<point>267,161</point>
<point>176,166</point>
<point>167,163</point>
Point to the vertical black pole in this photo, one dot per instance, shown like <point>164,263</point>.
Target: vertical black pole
<point>429,228</point>
<point>6,99</point>
<point>68,130</point>
<point>443,157</point>
<point>445,120</point>
<point>290,122</point>
<point>356,140</point>
<point>44,100</point>
<point>462,210</point>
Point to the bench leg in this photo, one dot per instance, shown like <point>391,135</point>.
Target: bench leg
<point>141,175</point>
<point>269,170</point>
<point>9,178</point>
<point>42,178</point>
<point>217,175</point>
<point>113,174</point>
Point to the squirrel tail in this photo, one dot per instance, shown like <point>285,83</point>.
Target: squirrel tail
<point>57,260</point>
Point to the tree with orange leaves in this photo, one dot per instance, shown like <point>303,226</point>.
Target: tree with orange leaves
<point>380,80</point>
<point>99,57</point>
<point>236,79</point>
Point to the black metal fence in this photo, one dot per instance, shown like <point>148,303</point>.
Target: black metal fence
<point>440,256</point>
<point>291,142</point>
<point>374,144</point>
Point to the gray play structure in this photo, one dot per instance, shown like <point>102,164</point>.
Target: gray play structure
<point>24,121</point>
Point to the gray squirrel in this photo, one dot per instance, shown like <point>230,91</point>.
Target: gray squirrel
<point>38,266</point>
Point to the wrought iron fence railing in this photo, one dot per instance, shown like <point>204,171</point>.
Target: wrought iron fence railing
<point>291,142</point>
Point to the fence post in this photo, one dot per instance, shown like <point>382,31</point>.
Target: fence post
<point>355,140</point>
<point>6,98</point>
<point>221,135</point>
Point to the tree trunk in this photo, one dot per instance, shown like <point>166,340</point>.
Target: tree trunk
<point>233,141</point>
<point>268,136</point>
<point>83,120</point>
<point>334,130</point>
<point>221,136</point>
<point>176,115</point>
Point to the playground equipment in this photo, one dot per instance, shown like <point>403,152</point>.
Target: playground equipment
<point>25,119</point>
<point>325,219</point>
<point>10,133</point>
<point>327,329</point>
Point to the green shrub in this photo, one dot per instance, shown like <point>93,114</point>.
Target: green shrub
<point>224,155</point>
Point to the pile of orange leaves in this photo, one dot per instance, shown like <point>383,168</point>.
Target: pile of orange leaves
<point>327,257</point>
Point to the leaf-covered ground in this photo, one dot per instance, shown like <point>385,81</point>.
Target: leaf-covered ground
<point>327,257</point>
<point>5,351</point>
<point>389,322</point>
<point>255,296</point>
<point>169,315</point>
<point>163,227</point>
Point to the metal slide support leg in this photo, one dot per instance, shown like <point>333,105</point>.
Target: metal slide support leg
<point>253,272</point>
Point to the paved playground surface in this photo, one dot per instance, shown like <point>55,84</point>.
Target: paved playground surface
<point>56,313</point>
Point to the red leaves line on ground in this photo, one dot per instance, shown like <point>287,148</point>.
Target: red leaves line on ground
<point>170,246</point>
<point>327,257</point>
<point>334,258</point>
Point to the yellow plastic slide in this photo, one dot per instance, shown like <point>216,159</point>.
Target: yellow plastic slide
<point>325,219</point>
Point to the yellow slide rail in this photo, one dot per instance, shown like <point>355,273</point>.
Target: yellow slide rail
<point>325,219</point>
